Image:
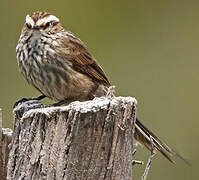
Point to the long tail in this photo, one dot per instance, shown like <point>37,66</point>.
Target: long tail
<point>143,134</point>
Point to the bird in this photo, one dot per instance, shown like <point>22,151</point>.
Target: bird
<point>59,65</point>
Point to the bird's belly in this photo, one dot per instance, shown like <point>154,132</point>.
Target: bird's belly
<point>60,83</point>
<point>53,77</point>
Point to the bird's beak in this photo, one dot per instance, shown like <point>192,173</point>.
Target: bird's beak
<point>35,27</point>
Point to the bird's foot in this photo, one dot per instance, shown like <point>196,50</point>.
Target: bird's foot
<point>24,99</point>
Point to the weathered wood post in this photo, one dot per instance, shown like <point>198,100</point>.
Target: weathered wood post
<point>5,139</point>
<point>84,140</point>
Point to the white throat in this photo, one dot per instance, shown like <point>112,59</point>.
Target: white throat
<point>36,36</point>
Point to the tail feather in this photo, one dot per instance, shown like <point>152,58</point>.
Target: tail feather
<point>143,134</point>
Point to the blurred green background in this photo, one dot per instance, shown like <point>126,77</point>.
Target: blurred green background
<point>148,49</point>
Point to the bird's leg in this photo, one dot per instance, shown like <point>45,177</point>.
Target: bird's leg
<point>24,99</point>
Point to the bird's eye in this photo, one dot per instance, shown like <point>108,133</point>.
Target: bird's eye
<point>28,25</point>
<point>47,24</point>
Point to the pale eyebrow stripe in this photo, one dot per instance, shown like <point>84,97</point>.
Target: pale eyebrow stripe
<point>29,20</point>
<point>47,19</point>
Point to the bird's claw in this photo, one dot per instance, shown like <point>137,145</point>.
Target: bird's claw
<point>25,99</point>
<point>22,100</point>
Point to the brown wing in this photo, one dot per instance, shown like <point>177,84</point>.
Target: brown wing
<point>82,60</point>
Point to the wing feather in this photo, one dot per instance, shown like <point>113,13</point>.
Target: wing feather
<point>82,61</point>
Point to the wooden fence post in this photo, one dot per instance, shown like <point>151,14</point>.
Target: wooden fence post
<point>5,139</point>
<point>84,140</point>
